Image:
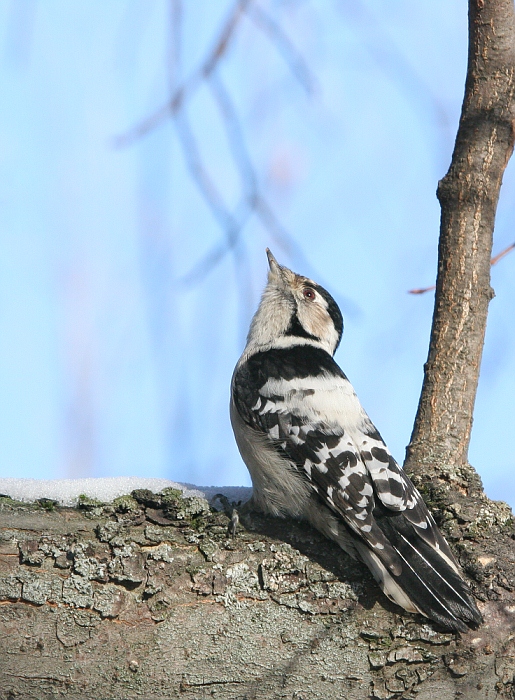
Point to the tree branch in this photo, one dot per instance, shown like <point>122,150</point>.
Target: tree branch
<point>150,597</point>
<point>468,196</point>
<point>493,262</point>
<point>194,80</point>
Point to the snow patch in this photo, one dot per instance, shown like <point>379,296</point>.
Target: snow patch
<point>67,491</point>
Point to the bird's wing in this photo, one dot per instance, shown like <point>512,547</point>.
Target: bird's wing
<point>316,422</point>
<point>324,454</point>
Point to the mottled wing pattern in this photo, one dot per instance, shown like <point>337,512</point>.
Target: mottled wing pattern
<point>303,401</point>
<point>316,421</point>
<point>333,468</point>
<point>300,399</point>
<point>395,490</point>
<point>319,451</point>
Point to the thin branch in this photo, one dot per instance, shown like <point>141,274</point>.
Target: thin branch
<point>204,182</point>
<point>422,290</point>
<point>190,85</point>
<point>493,262</point>
<point>234,133</point>
<point>253,201</point>
<point>500,255</point>
<point>231,225</point>
<point>256,201</point>
<point>280,235</point>
<point>291,55</point>
<point>217,253</point>
<point>174,44</point>
<point>225,36</point>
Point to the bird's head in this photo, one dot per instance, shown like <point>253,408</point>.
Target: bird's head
<point>294,308</point>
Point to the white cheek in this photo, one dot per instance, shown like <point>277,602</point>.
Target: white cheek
<point>316,320</point>
<point>331,337</point>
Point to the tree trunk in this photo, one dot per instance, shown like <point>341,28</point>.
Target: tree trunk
<point>150,598</point>
<point>468,196</point>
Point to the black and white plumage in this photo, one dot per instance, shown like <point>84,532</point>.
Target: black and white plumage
<point>313,453</point>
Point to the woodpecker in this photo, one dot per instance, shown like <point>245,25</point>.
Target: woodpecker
<point>314,454</point>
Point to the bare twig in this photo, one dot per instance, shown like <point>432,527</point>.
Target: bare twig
<point>225,37</point>
<point>190,85</point>
<point>231,224</point>
<point>205,184</point>
<point>422,290</point>
<point>500,255</point>
<point>253,201</point>
<point>493,262</point>
<point>175,44</point>
<point>291,55</point>
<point>279,234</point>
<point>234,133</point>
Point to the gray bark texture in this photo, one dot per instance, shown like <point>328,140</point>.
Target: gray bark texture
<point>149,597</point>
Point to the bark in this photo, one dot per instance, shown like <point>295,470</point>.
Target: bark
<point>468,196</point>
<point>150,598</point>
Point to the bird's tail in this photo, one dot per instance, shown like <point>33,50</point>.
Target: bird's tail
<point>426,583</point>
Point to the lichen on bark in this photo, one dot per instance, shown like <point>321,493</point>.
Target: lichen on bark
<point>149,597</point>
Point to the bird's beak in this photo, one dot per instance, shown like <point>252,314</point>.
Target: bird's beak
<point>275,268</point>
<point>279,276</point>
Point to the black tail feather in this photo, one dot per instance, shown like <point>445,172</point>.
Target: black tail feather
<point>427,578</point>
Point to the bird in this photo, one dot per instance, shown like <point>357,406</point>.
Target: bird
<point>314,454</point>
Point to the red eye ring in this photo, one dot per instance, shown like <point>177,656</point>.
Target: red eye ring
<point>309,293</point>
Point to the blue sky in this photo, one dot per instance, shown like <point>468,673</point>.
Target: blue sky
<point>114,360</point>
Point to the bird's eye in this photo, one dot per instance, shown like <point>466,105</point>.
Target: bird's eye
<point>309,293</point>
